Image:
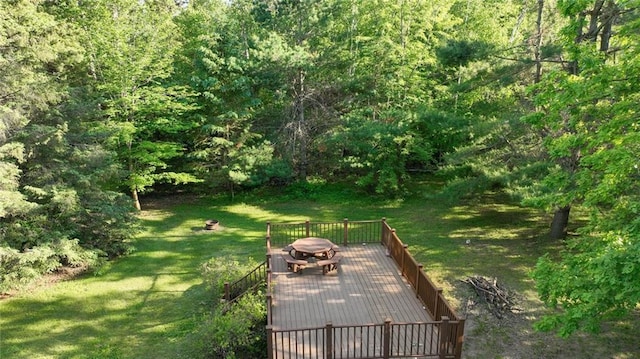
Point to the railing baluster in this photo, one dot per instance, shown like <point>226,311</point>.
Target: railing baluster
<point>443,340</point>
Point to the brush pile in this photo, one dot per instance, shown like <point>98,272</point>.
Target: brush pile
<point>499,300</point>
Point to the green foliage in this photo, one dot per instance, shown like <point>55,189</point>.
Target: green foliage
<point>35,51</point>
<point>218,271</point>
<point>255,166</point>
<point>237,332</point>
<point>233,331</point>
<point>226,151</point>
<point>69,181</point>
<point>18,269</point>
<point>593,140</point>
<point>598,278</point>
<point>377,153</point>
<point>138,114</point>
<point>12,201</point>
<point>462,52</point>
<point>55,205</point>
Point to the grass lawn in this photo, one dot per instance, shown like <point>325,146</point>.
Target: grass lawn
<point>141,306</point>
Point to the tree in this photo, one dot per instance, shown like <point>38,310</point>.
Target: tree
<point>33,51</point>
<point>486,64</point>
<point>226,61</point>
<point>52,194</point>
<point>371,80</point>
<point>140,115</point>
<point>292,28</point>
<point>588,112</point>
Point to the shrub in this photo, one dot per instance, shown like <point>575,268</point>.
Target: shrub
<point>18,269</point>
<point>217,272</point>
<point>229,331</point>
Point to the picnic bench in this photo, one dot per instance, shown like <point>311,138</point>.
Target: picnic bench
<point>329,264</point>
<point>319,250</point>
<point>294,265</point>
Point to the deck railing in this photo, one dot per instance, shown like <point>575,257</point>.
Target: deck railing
<point>345,232</point>
<point>441,338</point>
<point>371,341</point>
<point>256,277</point>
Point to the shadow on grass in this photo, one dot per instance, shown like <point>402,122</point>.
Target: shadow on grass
<point>114,323</point>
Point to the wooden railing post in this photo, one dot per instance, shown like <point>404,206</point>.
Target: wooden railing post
<point>386,341</point>
<point>227,291</point>
<point>269,341</point>
<point>307,227</point>
<point>436,312</point>
<point>329,341</point>
<point>268,242</point>
<point>383,223</point>
<point>417,284</point>
<point>459,338</point>
<point>443,338</point>
<point>269,312</point>
<point>267,276</point>
<point>404,252</point>
<point>345,239</point>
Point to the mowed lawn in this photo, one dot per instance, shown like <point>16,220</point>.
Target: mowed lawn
<point>141,306</point>
<point>138,306</point>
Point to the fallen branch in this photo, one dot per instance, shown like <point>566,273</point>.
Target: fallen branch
<point>499,299</point>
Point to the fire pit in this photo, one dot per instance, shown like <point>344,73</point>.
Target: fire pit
<point>211,224</point>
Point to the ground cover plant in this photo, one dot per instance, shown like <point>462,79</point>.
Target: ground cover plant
<point>155,303</point>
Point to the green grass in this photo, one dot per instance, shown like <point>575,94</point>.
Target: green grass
<point>143,305</point>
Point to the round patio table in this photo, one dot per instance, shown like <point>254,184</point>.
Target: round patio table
<point>313,247</point>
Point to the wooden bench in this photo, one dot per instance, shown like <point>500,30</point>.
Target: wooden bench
<point>294,264</point>
<point>329,264</point>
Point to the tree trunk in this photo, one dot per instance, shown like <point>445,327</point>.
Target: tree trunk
<point>301,125</point>
<point>560,222</point>
<point>538,47</point>
<point>136,200</point>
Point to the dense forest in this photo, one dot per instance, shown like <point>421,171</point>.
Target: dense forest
<point>105,100</point>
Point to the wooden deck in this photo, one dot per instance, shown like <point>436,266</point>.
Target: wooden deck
<point>367,288</point>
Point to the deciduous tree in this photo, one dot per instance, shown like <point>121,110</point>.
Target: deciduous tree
<point>589,111</point>
<point>130,50</point>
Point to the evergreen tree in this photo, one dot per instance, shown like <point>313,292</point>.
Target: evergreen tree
<point>223,62</point>
<point>54,209</point>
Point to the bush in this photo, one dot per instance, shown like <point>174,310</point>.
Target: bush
<point>18,269</point>
<point>217,272</point>
<point>229,331</point>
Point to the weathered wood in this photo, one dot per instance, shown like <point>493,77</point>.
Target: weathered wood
<point>367,289</point>
<point>329,264</point>
<point>294,264</point>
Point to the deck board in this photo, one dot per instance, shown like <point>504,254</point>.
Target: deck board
<point>367,288</point>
